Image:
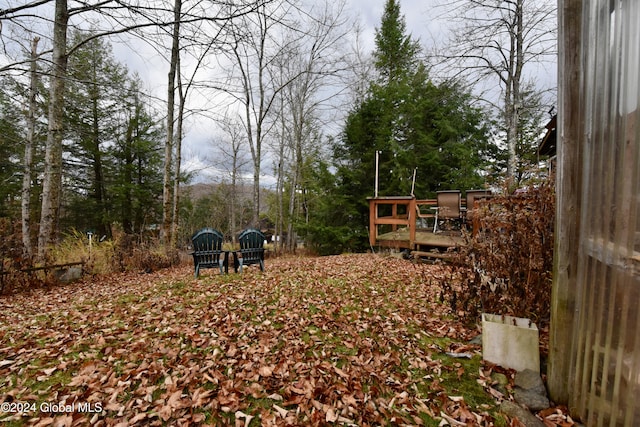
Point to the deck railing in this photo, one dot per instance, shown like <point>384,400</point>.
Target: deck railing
<point>395,212</point>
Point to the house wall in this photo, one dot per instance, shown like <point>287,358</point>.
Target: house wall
<point>601,372</point>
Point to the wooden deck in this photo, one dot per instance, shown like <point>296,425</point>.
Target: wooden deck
<point>405,223</point>
<point>423,239</point>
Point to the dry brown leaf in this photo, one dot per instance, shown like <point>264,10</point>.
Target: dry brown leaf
<point>331,416</point>
<point>266,371</point>
<point>315,335</point>
<point>138,417</point>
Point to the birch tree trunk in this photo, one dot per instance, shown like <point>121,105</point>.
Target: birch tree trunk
<point>279,223</point>
<point>178,161</point>
<point>235,171</point>
<point>52,180</point>
<point>27,174</point>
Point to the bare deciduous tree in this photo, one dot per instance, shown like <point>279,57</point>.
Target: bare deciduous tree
<point>196,15</point>
<point>501,42</point>
<point>317,61</point>
<point>255,46</point>
<point>52,180</point>
<point>28,151</point>
<point>278,47</point>
<point>235,163</point>
<point>165,231</point>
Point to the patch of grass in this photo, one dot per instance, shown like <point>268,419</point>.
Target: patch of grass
<point>465,384</point>
<point>277,325</point>
<point>457,376</point>
<point>130,299</point>
<point>345,350</point>
<point>428,420</point>
<point>44,382</point>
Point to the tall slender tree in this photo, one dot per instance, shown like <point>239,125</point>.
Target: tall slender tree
<point>316,61</point>
<point>137,170</point>
<point>499,44</point>
<point>52,181</point>
<point>27,174</point>
<point>235,162</point>
<point>11,138</point>
<point>253,50</point>
<point>396,53</point>
<point>166,229</point>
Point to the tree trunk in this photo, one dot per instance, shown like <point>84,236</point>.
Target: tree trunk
<point>257,160</point>
<point>165,232</point>
<point>127,202</point>
<point>497,40</point>
<point>28,153</point>
<point>234,190</point>
<point>512,94</point>
<point>99,187</point>
<point>279,225</point>
<point>292,211</point>
<point>52,181</point>
<point>178,154</point>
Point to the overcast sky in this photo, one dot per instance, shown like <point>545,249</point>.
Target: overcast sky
<point>421,17</point>
<point>423,21</point>
<point>369,13</point>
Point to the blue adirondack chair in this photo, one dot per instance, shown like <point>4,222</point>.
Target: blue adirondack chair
<point>207,250</point>
<point>251,249</point>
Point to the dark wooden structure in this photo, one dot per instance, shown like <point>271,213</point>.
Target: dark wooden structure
<point>549,144</point>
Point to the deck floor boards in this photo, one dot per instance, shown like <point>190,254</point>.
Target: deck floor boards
<point>400,239</point>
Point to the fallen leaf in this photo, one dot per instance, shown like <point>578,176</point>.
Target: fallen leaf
<point>266,371</point>
<point>331,416</point>
<point>281,411</point>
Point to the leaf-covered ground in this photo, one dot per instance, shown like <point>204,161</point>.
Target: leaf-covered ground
<point>351,340</point>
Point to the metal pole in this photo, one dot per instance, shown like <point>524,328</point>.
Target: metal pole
<point>413,183</point>
<point>375,191</point>
<point>90,242</point>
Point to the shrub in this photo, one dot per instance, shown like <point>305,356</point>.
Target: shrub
<point>124,253</point>
<point>12,258</point>
<point>132,252</point>
<point>506,266</point>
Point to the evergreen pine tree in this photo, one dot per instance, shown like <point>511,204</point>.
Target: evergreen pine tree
<point>414,124</point>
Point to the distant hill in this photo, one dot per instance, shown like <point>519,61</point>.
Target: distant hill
<point>200,190</point>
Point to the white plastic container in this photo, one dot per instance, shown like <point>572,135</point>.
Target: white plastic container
<point>511,342</point>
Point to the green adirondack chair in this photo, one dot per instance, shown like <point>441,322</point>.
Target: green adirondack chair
<point>207,250</point>
<point>251,249</point>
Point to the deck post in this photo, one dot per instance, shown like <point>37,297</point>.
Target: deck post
<point>373,228</point>
<point>412,217</point>
<point>394,215</point>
